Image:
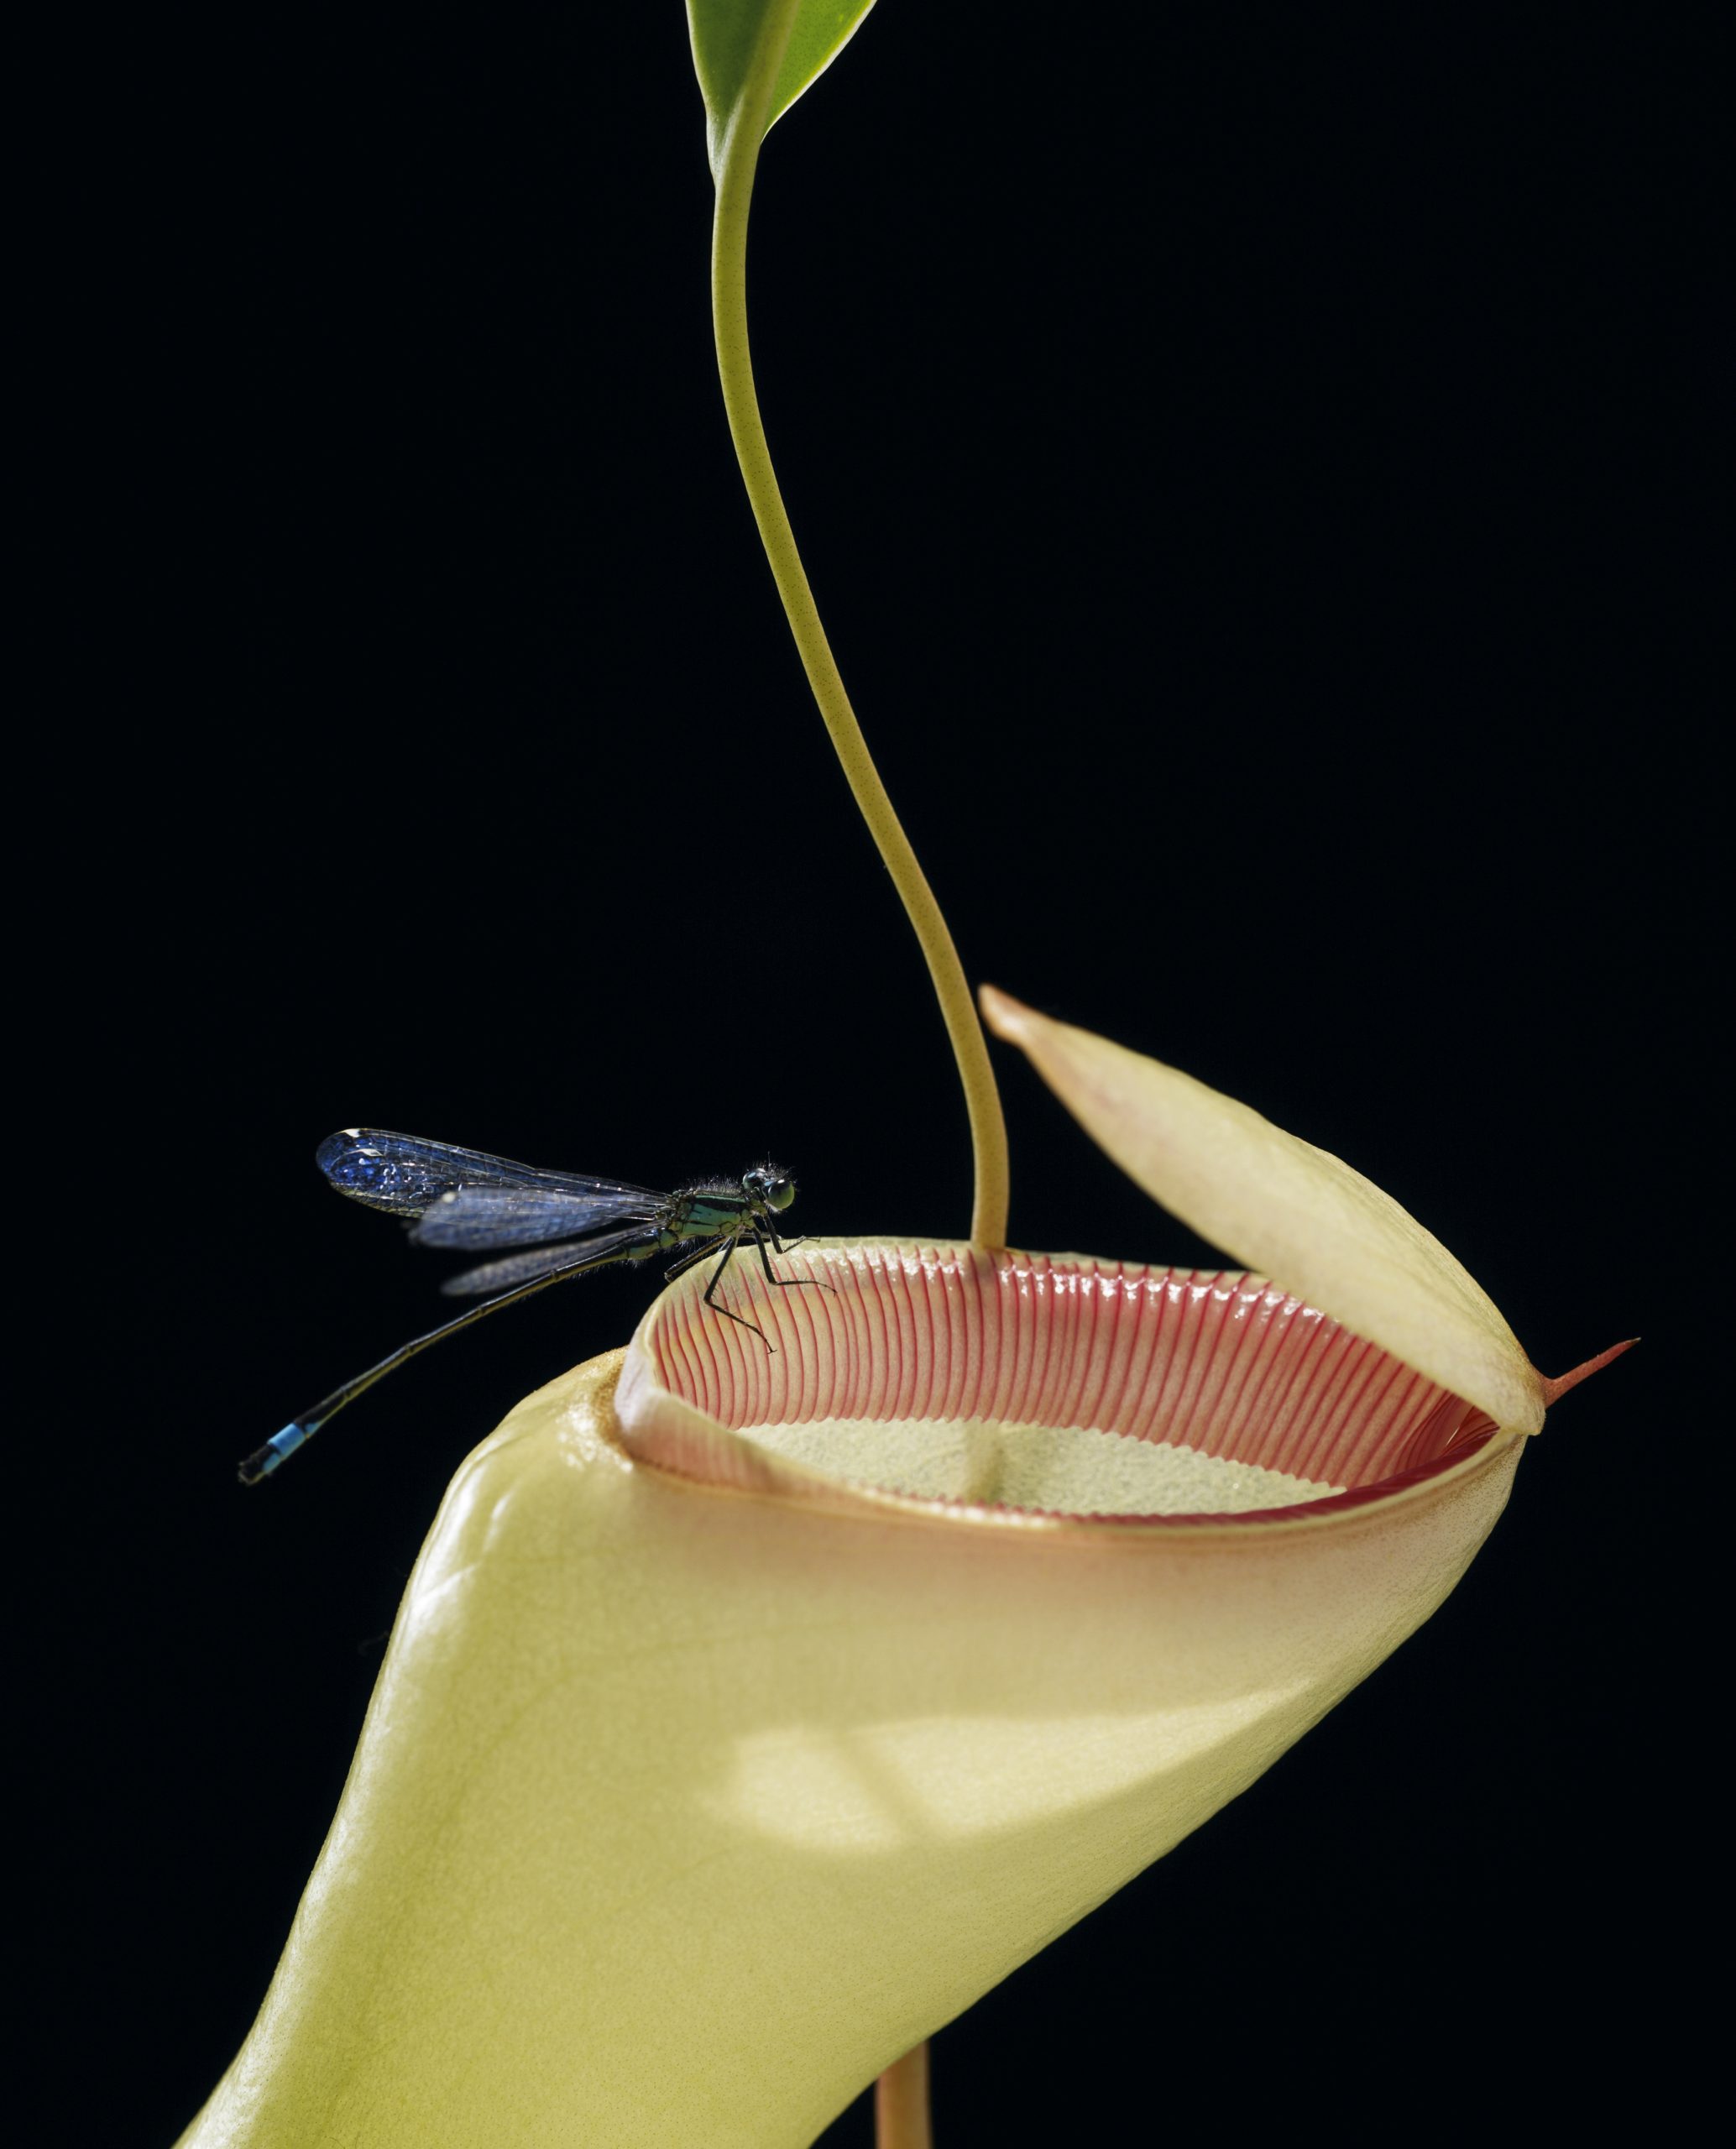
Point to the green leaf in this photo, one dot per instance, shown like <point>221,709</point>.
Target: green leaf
<point>734,42</point>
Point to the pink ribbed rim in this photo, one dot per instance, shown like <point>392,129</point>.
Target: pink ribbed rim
<point>1224,1362</point>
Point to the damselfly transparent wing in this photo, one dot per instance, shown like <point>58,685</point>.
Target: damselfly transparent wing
<point>403,1175</point>
<point>479,1216</point>
<point>549,1261</point>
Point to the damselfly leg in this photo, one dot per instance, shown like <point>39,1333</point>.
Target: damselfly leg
<point>730,1242</point>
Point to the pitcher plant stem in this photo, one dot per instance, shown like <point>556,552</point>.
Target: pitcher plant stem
<point>901,2104</point>
<point>729,301</point>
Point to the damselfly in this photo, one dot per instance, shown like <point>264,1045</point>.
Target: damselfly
<point>462,1200</point>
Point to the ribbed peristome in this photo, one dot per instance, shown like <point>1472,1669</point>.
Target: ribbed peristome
<point>1221,1366</point>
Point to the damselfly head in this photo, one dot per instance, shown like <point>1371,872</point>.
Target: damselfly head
<point>770,1183</point>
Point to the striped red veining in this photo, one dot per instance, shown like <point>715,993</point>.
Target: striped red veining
<point>1223,1362</point>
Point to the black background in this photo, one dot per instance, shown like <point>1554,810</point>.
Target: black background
<point>1251,464</point>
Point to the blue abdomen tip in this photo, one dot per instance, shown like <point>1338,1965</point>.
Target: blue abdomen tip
<point>283,1444</point>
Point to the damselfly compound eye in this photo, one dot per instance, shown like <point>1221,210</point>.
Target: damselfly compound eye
<point>766,1183</point>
